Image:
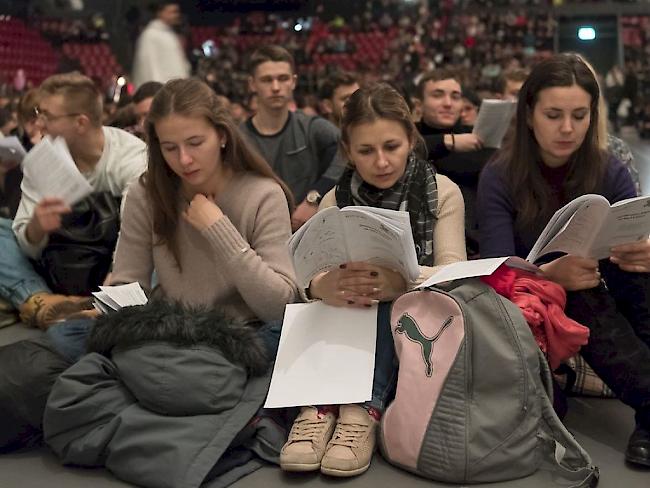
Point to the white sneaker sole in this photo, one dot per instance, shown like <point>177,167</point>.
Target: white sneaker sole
<point>299,467</point>
<point>344,474</point>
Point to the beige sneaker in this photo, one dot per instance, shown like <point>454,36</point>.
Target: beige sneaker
<point>44,309</point>
<point>307,440</point>
<point>352,445</point>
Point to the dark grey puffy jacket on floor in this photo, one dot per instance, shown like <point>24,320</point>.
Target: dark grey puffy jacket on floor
<point>170,400</point>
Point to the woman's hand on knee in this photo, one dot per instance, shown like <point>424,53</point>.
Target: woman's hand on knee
<point>573,273</point>
<point>633,257</point>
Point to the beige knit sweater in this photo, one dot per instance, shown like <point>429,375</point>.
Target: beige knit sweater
<point>240,264</point>
<point>449,232</point>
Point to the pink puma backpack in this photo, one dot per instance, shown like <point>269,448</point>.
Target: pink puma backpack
<point>472,401</point>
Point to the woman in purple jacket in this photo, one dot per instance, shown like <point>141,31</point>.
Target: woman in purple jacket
<point>554,158</point>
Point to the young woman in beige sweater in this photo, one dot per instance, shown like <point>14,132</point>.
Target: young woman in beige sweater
<point>381,143</point>
<point>209,215</point>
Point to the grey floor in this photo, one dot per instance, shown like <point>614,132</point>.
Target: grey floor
<point>601,426</point>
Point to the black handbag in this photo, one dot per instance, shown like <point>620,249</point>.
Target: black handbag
<point>78,256</point>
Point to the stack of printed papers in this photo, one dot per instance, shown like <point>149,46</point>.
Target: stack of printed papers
<point>493,121</point>
<point>113,298</point>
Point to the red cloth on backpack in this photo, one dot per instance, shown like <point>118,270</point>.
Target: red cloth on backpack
<point>542,302</point>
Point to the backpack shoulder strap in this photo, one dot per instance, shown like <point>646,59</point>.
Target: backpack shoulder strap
<point>568,456</point>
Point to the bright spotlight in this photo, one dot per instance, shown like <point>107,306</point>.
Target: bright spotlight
<point>586,33</point>
<point>297,27</point>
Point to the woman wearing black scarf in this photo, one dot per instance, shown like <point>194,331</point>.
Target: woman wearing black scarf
<point>382,145</point>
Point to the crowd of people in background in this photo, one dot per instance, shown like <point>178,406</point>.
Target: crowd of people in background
<point>413,39</point>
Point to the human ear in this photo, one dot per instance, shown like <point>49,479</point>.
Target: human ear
<point>82,122</point>
<point>327,106</point>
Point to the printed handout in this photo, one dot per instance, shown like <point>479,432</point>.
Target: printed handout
<point>493,121</point>
<point>589,227</point>
<point>114,298</point>
<point>335,236</point>
<point>53,173</point>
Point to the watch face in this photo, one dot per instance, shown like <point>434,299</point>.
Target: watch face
<point>313,197</point>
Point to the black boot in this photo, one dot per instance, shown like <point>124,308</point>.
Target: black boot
<point>638,447</point>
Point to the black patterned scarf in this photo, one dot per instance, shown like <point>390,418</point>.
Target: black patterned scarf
<point>415,192</point>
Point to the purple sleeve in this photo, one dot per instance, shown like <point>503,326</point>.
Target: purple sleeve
<point>618,184</point>
<point>496,215</point>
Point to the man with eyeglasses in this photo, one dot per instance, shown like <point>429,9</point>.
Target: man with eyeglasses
<point>70,106</point>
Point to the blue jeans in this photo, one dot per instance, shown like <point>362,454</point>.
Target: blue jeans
<point>18,278</point>
<point>69,337</point>
<point>384,382</point>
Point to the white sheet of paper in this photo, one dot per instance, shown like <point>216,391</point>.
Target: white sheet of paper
<point>326,356</point>
<point>104,300</point>
<point>474,268</point>
<point>493,120</point>
<point>52,172</point>
<point>125,295</point>
<point>101,307</point>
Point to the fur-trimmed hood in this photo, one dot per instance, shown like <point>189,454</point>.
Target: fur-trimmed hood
<point>181,326</point>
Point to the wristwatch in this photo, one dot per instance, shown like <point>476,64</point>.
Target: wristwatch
<point>313,197</point>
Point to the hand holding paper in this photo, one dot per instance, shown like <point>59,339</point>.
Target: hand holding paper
<point>493,120</point>
<point>573,273</point>
<point>357,285</point>
<point>46,218</point>
<point>337,236</point>
<point>633,257</point>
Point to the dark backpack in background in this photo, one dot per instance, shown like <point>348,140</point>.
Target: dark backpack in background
<point>78,256</point>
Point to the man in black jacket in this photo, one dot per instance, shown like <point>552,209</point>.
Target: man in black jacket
<point>452,148</point>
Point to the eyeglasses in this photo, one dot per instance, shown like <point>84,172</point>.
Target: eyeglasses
<point>48,117</point>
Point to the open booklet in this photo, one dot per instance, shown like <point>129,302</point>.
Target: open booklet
<point>53,173</point>
<point>113,298</point>
<point>11,150</point>
<point>493,121</point>
<point>589,227</point>
<point>335,236</point>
